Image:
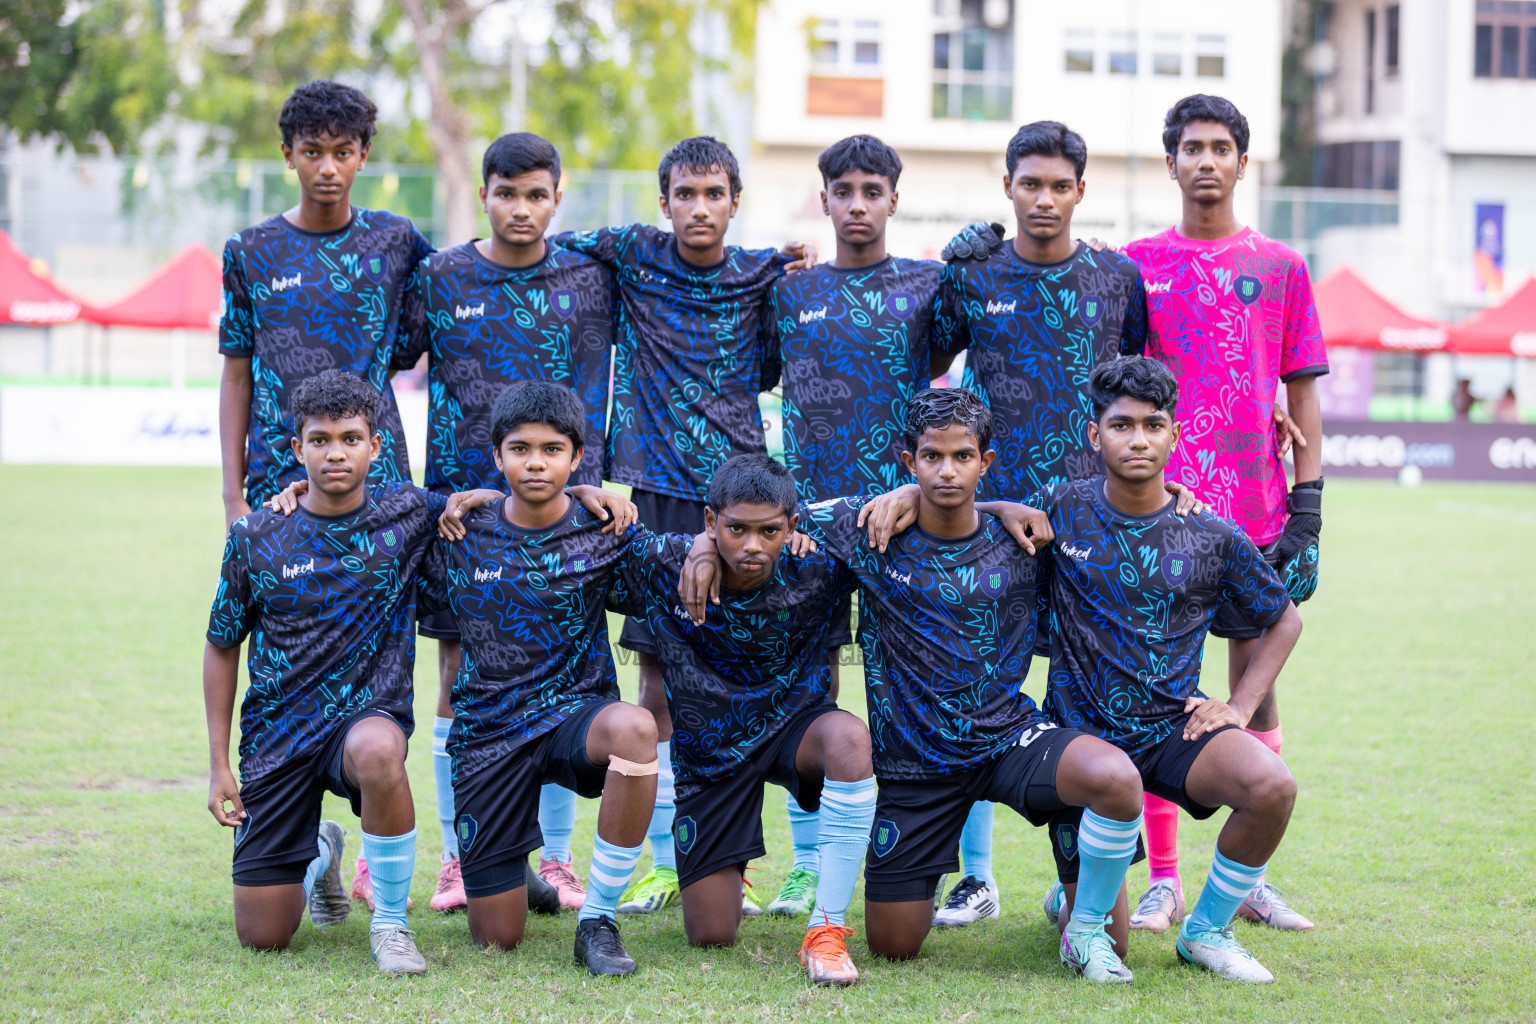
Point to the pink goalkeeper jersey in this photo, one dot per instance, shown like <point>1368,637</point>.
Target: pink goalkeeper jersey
<point>1232,319</point>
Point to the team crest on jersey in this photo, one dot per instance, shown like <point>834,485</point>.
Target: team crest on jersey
<point>375,266</point>
<point>994,581</point>
<point>1248,289</point>
<point>563,302</point>
<point>1093,310</point>
<point>1176,567</point>
<point>466,828</point>
<point>1066,841</point>
<point>883,841</point>
<point>686,831</point>
<point>579,564</point>
<point>902,304</point>
<point>388,540</point>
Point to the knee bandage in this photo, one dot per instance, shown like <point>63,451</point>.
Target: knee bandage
<point>623,767</point>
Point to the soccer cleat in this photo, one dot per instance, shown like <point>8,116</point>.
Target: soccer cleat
<point>328,902</point>
<point>559,874</point>
<point>1089,952</point>
<point>1218,952</point>
<point>1267,905</point>
<point>543,898</point>
<point>751,906</point>
<point>825,955</point>
<point>395,951</point>
<point>1055,899</point>
<point>1158,908</point>
<point>599,950</point>
<point>970,901</point>
<point>798,896</point>
<point>657,890</point>
<point>362,885</point>
<point>450,888</point>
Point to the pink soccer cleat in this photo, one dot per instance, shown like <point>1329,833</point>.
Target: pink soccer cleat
<point>362,886</point>
<point>559,874</point>
<point>450,888</point>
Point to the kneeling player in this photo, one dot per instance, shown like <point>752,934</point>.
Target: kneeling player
<point>1128,667</point>
<point>952,609</point>
<point>748,688</point>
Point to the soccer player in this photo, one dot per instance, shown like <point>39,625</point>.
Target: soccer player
<point>536,701</point>
<point>317,287</point>
<point>688,367</point>
<point>1231,314</point>
<point>1035,316</point>
<point>948,625</point>
<point>748,685</point>
<point>489,312</point>
<point>1134,588</point>
<point>852,337</point>
<point>327,597</point>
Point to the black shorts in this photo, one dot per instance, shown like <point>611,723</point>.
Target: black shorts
<point>659,513</point>
<point>721,824</point>
<point>439,626</point>
<point>1230,623</point>
<point>916,836</point>
<point>276,841</point>
<point>496,810</point>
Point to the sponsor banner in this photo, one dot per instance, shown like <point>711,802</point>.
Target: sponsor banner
<point>1488,249</point>
<point>1440,451</point>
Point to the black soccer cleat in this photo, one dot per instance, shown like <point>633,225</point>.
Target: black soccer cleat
<point>599,950</point>
<point>543,898</point>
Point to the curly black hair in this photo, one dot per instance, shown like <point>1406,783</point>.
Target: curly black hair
<point>1201,107</point>
<point>938,408</point>
<point>1047,138</point>
<point>701,155</point>
<point>324,107</point>
<point>1136,377</point>
<point>335,395</point>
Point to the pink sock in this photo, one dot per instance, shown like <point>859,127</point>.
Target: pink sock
<point>1270,739</point>
<point>1162,821</point>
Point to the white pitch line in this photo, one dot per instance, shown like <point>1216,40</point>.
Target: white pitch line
<point>1512,515</point>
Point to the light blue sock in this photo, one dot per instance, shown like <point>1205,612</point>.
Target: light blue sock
<point>391,859</point>
<point>847,814</point>
<point>316,867</point>
<point>1228,884</point>
<point>1104,848</point>
<point>557,820</point>
<point>976,843</point>
<point>804,833</point>
<point>442,774</point>
<point>611,868</point>
<point>659,831</point>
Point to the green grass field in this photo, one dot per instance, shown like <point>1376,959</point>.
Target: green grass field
<point>1408,709</point>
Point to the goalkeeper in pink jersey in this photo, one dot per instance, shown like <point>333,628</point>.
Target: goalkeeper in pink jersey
<point>1230,312</point>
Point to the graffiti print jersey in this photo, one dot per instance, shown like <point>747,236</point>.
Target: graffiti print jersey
<point>329,604</point>
<point>688,357</point>
<point>759,657</point>
<point>297,302</point>
<point>1232,319</point>
<point>853,344</point>
<point>1131,599</point>
<point>485,326</point>
<point>530,610</point>
<point>947,627</point>
<point>1033,333</point>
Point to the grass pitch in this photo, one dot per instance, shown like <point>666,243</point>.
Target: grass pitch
<point>1408,710</point>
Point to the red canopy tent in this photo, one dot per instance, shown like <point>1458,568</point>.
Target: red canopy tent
<point>186,292</point>
<point>1355,315</point>
<point>32,301</point>
<point>1508,329</point>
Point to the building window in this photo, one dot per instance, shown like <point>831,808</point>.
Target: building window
<point>973,62</point>
<point>1211,56</point>
<point>1394,12</point>
<point>1359,165</point>
<point>845,47</point>
<point>1167,55</point>
<point>1079,52</point>
<point>1122,53</point>
<point>1504,39</point>
<point>1370,61</point>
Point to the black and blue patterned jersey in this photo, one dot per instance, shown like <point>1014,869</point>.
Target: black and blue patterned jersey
<point>688,357</point>
<point>485,326</point>
<point>1131,599</point>
<point>760,655</point>
<point>329,604</point>
<point>297,302</point>
<point>947,626</point>
<point>853,344</point>
<point>1033,333</point>
<point>530,611</point>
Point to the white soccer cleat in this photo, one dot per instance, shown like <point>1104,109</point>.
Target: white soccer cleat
<point>970,901</point>
<point>1055,899</point>
<point>1218,952</point>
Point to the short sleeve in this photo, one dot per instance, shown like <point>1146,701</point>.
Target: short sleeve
<point>602,245</point>
<point>633,583</point>
<point>591,351</point>
<point>1302,353</point>
<point>432,578</point>
<point>770,342</point>
<point>833,525</point>
<point>951,332</point>
<point>413,335</point>
<point>1248,582</point>
<point>235,611</point>
<point>237,327</point>
<point>1133,329</point>
<point>420,247</point>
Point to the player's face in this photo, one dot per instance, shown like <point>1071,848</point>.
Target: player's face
<point>326,166</point>
<point>1135,437</point>
<point>859,204</point>
<point>700,207</point>
<point>1207,165</point>
<point>337,453</point>
<point>750,537</point>
<point>948,465</point>
<point>1044,191</point>
<point>536,460</point>
<point>520,207</point>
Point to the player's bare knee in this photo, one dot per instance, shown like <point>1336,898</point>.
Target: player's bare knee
<point>847,749</point>
<point>1273,793</point>
<point>894,948</point>
<point>631,733</point>
<point>265,936</point>
<point>377,755</point>
<point>711,936</point>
